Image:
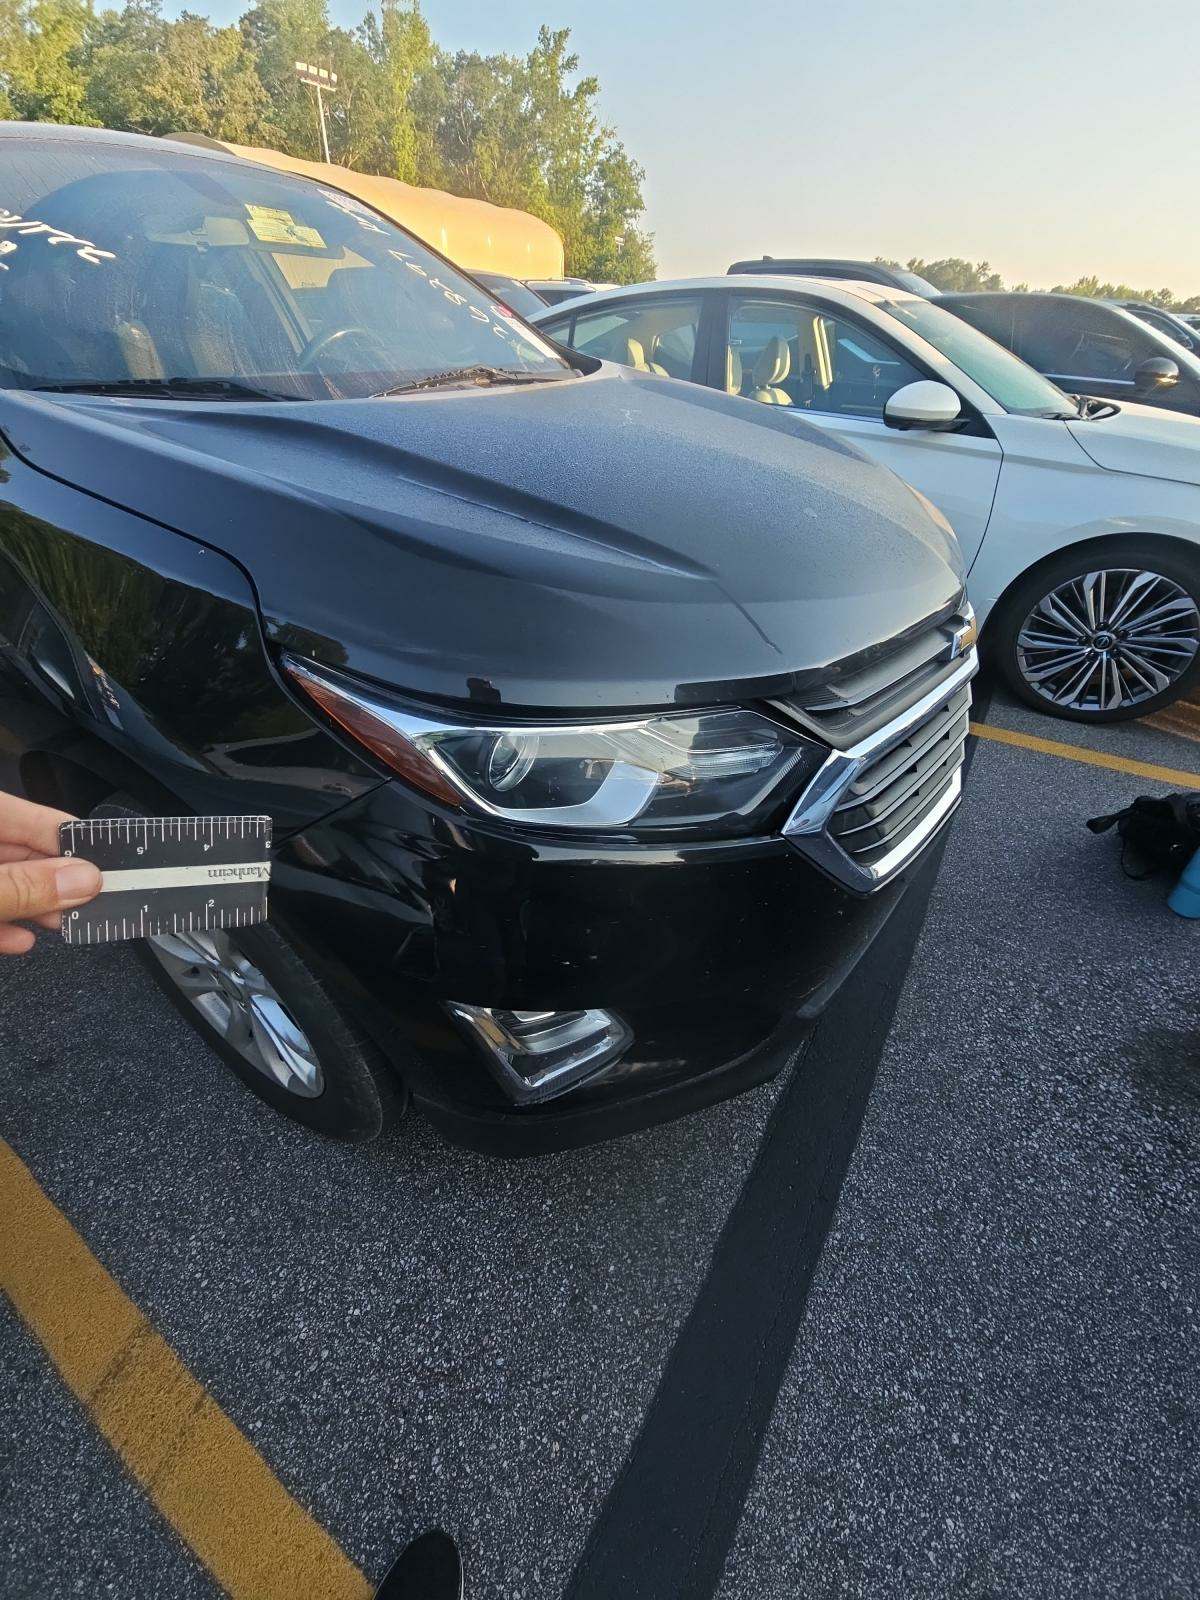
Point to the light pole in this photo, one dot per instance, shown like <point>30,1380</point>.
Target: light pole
<point>323,81</point>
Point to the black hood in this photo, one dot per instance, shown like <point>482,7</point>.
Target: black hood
<point>607,541</point>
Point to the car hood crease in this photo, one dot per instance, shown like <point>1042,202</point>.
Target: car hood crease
<point>607,541</point>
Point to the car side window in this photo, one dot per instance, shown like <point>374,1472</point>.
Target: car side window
<point>651,335</point>
<point>1073,341</point>
<point>1162,325</point>
<point>789,354</point>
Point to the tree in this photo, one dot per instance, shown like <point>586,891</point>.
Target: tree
<point>277,34</point>
<point>520,131</point>
<point>159,77</point>
<point>953,275</point>
<point>1092,288</point>
<point>401,48</point>
<point>42,71</point>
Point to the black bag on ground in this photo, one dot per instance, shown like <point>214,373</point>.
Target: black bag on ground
<point>1156,834</point>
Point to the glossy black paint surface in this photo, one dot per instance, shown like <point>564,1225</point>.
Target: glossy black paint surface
<point>134,652</point>
<point>595,545</point>
<point>134,660</point>
<point>718,956</point>
<point>600,543</point>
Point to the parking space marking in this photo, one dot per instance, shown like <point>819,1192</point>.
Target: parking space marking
<point>1182,719</point>
<point>202,1474</point>
<point>1091,758</point>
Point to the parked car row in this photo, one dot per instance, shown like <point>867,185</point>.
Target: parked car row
<point>526,296</point>
<point>1096,344</point>
<point>1079,520</point>
<point>601,720</point>
<point>1172,323</point>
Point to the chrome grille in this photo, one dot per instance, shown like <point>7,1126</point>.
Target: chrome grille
<point>858,699</point>
<point>891,795</point>
<point>873,807</point>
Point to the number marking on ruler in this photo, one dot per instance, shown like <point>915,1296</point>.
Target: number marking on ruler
<point>185,875</point>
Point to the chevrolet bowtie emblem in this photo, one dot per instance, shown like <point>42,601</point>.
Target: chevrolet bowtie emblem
<point>964,636</point>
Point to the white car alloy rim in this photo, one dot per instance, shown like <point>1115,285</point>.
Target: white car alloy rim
<point>1108,639</point>
<point>239,1001</point>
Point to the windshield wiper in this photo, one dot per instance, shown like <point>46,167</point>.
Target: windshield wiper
<point>166,388</point>
<point>1066,416</point>
<point>481,375</point>
<point>1089,409</point>
<point>1097,410</point>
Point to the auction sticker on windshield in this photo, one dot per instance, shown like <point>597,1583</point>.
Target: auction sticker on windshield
<point>271,225</point>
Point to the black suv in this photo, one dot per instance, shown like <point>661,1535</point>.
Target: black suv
<point>839,267</point>
<point>1086,346</point>
<point>599,718</point>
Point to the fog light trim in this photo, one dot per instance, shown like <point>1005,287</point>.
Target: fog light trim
<point>538,1055</point>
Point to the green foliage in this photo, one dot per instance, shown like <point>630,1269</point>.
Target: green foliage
<point>154,76</point>
<point>519,131</point>
<point>952,274</point>
<point>1092,288</point>
<point>43,50</point>
<point>955,276</point>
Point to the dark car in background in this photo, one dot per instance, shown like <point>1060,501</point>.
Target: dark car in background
<point>512,292</point>
<point>529,296</point>
<point>553,290</point>
<point>1171,323</point>
<point>838,267</point>
<point>596,754</point>
<point>1087,347</point>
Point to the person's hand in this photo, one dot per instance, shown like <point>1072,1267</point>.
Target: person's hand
<point>36,883</point>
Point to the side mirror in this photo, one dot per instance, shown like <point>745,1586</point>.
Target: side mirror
<point>1159,372</point>
<point>933,406</point>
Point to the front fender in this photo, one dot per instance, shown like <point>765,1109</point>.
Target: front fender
<point>1042,509</point>
<point>135,654</point>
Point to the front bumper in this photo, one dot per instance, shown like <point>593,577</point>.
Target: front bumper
<point>719,957</point>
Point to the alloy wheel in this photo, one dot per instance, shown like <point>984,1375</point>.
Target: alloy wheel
<point>241,1004</point>
<point>1108,639</point>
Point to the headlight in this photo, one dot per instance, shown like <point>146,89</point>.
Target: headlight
<point>706,769</point>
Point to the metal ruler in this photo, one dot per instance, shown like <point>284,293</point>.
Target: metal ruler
<point>183,875</point>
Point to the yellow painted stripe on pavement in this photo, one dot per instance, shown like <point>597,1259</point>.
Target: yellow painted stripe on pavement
<point>1091,758</point>
<point>205,1477</point>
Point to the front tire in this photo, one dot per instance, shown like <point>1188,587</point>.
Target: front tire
<point>262,1008</point>
<point>1103,634</point>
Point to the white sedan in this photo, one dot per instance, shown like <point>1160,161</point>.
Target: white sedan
<point>1079,519</point>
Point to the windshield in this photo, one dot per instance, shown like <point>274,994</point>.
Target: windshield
<point>914,281</point>
<point>121,265</point>
<point>512,293</point>
<point>1012,384</point>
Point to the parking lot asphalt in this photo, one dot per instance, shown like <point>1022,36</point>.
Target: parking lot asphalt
<point>992,1391</point>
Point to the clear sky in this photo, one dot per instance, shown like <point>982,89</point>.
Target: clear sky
<point>1049,137</point>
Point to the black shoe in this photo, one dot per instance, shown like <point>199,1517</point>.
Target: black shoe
<point>430,1568</point>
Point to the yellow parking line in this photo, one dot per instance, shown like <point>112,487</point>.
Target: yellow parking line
<point>1091,758</point>
<point>207,1480</point>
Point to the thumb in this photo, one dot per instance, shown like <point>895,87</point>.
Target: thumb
<point>33,888</point>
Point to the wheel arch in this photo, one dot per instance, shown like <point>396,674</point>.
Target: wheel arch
<point>1184,548</point>
<point>81,777</point>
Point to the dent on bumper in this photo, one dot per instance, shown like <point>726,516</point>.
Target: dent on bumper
<point>718,957</point>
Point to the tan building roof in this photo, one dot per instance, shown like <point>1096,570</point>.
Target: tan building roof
<point>473,233</point>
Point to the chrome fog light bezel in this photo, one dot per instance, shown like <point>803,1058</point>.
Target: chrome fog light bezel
<point>538,1055</point>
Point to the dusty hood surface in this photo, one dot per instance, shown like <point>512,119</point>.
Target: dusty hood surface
<point>608,541</point>
<point>1145,440</point>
